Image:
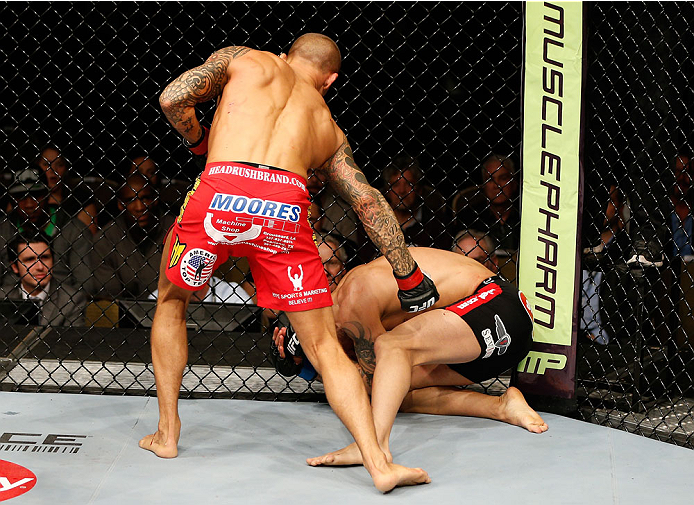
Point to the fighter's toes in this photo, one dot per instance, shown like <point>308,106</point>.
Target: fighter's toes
<point>537,426</point>
<point>325,459</point>
<point>350,455</point>
<point>151,443</point>
<point>517,411</point>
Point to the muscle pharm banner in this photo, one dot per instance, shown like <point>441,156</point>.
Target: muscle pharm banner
<point>549,262</point>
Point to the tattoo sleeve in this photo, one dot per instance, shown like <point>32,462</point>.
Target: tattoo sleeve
<point>195,86</point>
<point>374,212</point>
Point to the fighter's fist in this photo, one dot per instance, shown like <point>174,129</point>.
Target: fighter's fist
<point>290,360</point>
<point>287,359</point>
<point>416,291</point>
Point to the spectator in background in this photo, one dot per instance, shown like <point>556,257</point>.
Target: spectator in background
<point>477,245</point>
<point>497,213</point>
<point>422,212</point>
<point>336,214</point>
<point>610,250</point>
<point>31,259</point>
<point>682,198</point>
<point>71,239</point>
<point>74,202</point>
<point>127,252</point>
<point>334,257</point>
<point>139,161</point>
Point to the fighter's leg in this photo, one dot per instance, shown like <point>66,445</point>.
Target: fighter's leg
<point>347,396</point>
<point>169,341</point>
<point>439,336</point>
<point>510,407</point>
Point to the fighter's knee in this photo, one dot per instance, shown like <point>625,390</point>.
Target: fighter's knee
<point>171,294</point>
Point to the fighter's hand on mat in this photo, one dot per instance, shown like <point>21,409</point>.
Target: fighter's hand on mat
<point>416,291</point>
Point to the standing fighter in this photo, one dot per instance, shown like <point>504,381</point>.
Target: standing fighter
<point>270,126</point>
<point>480,327</point>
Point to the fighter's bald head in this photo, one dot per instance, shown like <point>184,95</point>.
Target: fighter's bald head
<point>319,49</point>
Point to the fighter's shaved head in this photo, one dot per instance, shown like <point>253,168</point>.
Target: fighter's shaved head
<point>318,49</point>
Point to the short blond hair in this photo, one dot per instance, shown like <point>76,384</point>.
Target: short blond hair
<point>320,50</point>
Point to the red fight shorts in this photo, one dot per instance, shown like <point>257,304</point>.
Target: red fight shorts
<point>260,212</point>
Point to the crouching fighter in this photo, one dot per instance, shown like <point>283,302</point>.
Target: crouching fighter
<point>480,327</point>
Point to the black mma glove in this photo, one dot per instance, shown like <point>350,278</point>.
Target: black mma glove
<point>286,366</point>
<point>199,148</point>
<point>416,291</point>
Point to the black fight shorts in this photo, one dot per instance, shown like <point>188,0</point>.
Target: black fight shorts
<point>500,317</point>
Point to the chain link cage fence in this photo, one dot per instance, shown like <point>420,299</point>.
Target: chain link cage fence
<point>430,98</point>
<point>636,373</point>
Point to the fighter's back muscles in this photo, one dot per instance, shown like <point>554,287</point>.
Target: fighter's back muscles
<point>265,112</point>
<point>455,275</point>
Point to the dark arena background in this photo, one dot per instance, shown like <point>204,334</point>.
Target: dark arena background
<point>427,93</point>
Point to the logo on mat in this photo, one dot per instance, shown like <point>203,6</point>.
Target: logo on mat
<point>176,252</point>
<point>14,480</point>
<point>297,279</point>
<point>197,267</point>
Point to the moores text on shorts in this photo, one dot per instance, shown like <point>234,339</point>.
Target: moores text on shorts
<point>255,207</point>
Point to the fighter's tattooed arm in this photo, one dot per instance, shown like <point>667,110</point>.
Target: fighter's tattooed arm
<point>363,348</point>
<point>374,212</point>
<point>195,86</point>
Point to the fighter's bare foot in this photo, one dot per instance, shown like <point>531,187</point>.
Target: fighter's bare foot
<point>350,455</point>
<point>397,475</point>
<point>515,410</point>
<point>160,445</point>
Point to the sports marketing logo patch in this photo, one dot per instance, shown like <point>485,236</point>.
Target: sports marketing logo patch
<point>197,267</point>
<point>176,252</point>
<point>15,480</point>
<point>296,279</point>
